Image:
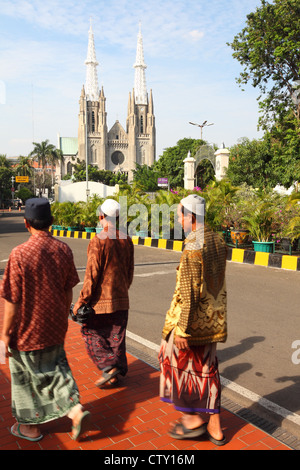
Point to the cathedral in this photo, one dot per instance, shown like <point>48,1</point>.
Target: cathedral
<point>117,149</point>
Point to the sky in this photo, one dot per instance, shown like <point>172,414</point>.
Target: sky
<point>190,68</point>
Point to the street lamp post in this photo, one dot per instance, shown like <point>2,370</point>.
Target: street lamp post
<point>12,188</point>
<point>86,151</point>
<point>204,124</point>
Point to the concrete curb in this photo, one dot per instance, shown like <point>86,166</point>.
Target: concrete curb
<point>270,260</point>
<point>237,255</point>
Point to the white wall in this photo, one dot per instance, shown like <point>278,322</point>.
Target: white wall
<point>75,192</point>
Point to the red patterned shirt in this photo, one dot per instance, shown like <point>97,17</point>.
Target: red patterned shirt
<point>37,276</point>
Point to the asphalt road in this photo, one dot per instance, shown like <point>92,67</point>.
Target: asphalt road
<point>263,320</point>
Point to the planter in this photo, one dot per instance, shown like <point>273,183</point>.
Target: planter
<point>60,227</point>
<point>99,229</point>
<point>265,247</point>
<point>142,234</point>
<point>226,235</point>
<point>239,237</point>
<point>90,229</point>
<point>73,229</point>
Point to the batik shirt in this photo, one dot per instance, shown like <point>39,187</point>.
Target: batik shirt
<point>198,309</point>
<point>37,277</point>
<point>109,272</point>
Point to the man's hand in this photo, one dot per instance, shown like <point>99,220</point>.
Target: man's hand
<point>10,313</point>
<point>76,307</point>
<point>6,339</point>
<point>181,343</point>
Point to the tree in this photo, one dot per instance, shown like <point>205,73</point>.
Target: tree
<point>94,174</point>
<point>170,165</point>
<point>269,49</point>
<point>6,172</point>
<point>4,162</point>
<point>146,177</point>
<point>45,154</point>
<point>24,193</point>
<point>24,166</point>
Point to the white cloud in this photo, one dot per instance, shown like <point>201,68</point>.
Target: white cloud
<point>195,35</point>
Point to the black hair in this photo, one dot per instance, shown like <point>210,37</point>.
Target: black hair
<point>40,224</point>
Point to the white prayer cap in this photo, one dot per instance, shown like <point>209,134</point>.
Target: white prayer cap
<point>110,207</point>
<point>194,204</point>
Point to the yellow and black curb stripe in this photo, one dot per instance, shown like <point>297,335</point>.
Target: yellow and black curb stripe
<point>175,245</point>
<point>271,260</point>
<point>237,255</point>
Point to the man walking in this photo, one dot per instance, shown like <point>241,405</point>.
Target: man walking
<point>108,277</point>
<point>37,288</point>
<point>195,322</point>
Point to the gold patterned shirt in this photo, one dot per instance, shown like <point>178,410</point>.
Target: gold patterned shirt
<point>198,308</point>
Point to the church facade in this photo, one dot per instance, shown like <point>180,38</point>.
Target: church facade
<point>117,149</point>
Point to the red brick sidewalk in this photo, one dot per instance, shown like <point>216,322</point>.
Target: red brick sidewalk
<point>130,417</point>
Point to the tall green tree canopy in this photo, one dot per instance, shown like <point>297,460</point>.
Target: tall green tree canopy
<point>250,162</point>
<point>170,165</point>
<point>269,49</point>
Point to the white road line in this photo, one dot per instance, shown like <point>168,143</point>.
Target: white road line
<point>154,273</point>
<point>267,404</point>
<point>3,260</point>
<point>143,341</point>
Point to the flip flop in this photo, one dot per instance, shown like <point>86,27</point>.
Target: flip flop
<point>185,432</point>
<point>106,378</point>
<point>217,442</point>
<point>22,436</point>
<point>81,426</point>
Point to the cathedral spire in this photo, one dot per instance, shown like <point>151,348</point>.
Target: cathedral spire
<point>140,77</point>
<point>91,83</point>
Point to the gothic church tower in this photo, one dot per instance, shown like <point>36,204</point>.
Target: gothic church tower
<point>92,131</point>
<point>116,150</point>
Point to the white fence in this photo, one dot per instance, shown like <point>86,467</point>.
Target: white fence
<point>75,192</point>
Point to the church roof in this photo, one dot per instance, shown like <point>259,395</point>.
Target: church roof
<point>68,145</point>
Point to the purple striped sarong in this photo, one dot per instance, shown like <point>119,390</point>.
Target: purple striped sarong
<point>104,338</point>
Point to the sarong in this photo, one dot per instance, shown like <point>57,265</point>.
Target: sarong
<point>105,337</point>
<point>190,378</point>
<point>42,385</point>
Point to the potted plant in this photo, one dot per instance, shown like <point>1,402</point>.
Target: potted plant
<point>260,223</point>
<point>239,233</point>
<point>90,214</point>
<point>72,216</point>
<point>292,221</point>
<point>58,212</point>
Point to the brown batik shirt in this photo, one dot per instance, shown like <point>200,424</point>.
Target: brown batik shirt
<point>109,272</point>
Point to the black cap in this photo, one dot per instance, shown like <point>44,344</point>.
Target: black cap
<point>37,209</point>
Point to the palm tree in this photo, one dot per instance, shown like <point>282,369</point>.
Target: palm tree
<point>46,154</point>
<point>55,157</point>
<point>24,166</point>
<point>4,162</point>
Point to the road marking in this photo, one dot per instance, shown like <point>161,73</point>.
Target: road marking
<point>269,405</point>
<point>154,273</point>
<point>254,397</point>
<point>143,341</point>
<point>3,260</point>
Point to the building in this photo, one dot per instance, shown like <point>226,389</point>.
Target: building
<point>117,149</point>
